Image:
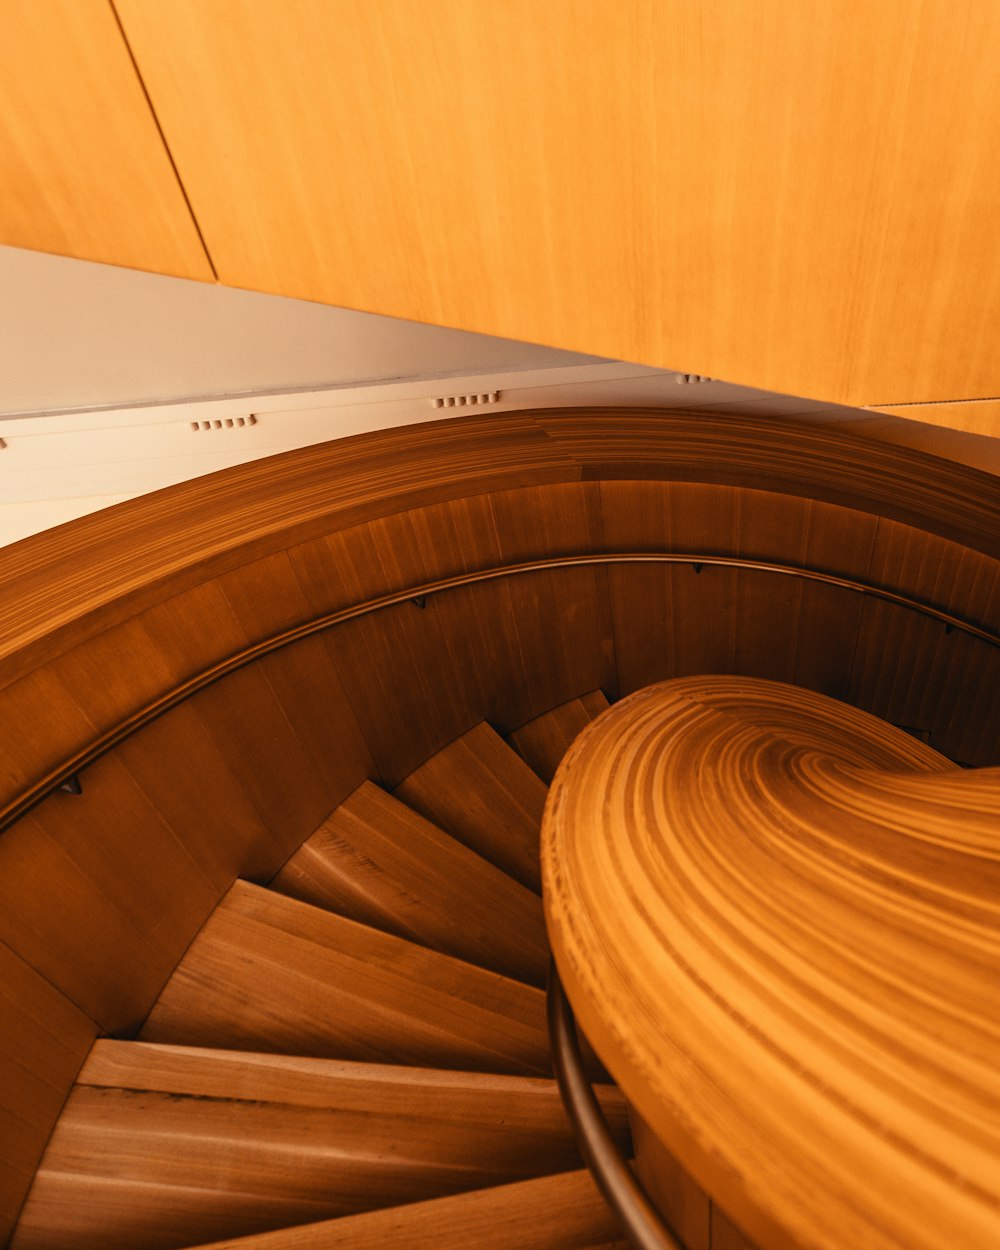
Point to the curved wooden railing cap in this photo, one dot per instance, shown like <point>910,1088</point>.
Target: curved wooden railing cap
<point>776,918</point>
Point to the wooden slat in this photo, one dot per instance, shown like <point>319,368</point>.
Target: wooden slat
<point>376,861</point>
<point>127,559</point>
<point>478,789</point>
<point>787,956</point>
<point>563,1212</point>
<point>778,455</point>
<point>543,742</point>
<point>685,1207</point>
<point>271,973</point>
<point>101,897</point>
<point>82,161</point>
<point>165,1146</point>
<point>804,203</point>
<point>44,1039</point>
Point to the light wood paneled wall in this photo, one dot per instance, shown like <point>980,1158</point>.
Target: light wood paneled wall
<point>84,166</point>
<point>805,201</point>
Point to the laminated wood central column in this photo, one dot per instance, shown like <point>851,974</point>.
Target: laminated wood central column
<point>776,918</point>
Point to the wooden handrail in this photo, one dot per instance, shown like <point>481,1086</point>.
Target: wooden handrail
<point>107,741</point>
<point>642,1226</point>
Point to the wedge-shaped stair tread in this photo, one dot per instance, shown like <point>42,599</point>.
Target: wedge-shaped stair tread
<point>377,861</point>
<point>482,792</point>
<point>562,1212</point>
<point>270,973</point>
<point>162,1146</point>
<point>543,742</point>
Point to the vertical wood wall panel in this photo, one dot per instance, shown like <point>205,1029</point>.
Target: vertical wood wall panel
<point>44,1039</point>
<point>83,165</point>
<point>911,671</point>
<point>804,202</point>
<point>42,726</point>
<point>100,897</point>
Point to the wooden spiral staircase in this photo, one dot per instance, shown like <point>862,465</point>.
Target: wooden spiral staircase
<point>359,1048</point>
<point>275,975</point>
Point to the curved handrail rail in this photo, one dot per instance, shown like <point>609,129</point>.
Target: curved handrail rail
<point>107,741</point>
<point>642,1225</point>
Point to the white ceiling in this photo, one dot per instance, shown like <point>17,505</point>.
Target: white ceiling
<point>76,335</point>
<point>107,376</point>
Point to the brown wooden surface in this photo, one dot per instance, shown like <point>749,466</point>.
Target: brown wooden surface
<point>166,1146</point>
<point>98,894</point>
<point>376,861</point>
<point>562,1212</point>
<point>44,1039</point>
<point>787,957</point>
<point>482,792</point>
<point>123,561</point>
<point>543,741</point>
<point>689,1213</point>
<point>271,973</point>
<point>104,893</point>
<point>804,203</point>
<point>84,167</point>
<point>980,416</point>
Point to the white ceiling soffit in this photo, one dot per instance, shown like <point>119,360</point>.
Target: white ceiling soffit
<point>98,367</point>
<point>76,335</point>
<point>56,467</point>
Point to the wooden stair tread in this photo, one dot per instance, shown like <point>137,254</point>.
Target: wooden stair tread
<point>162,1146</point>
<point>376,861</point>
<point>542,742</point>
<point>481,791</point>
<point>271,973</point>
<point>561,1212</point>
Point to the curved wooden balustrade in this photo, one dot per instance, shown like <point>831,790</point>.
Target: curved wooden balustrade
<point>66,774</point>
<point>101,895</point>
<point>777,919</point>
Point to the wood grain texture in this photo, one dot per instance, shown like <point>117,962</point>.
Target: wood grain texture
<point>690,1214</point>
<point>562,1212</point>
<point>376,861</point>
<point>122,561</point>
<point>787,956</point>
<point>166,1146</point>
<point>783,456</point>
<point>544,740</point>
<point>44,1039</point>
<point>980,416</point>
<point>82,160</point>
<point>482,792</point>
<point>100,896</point>
<point>804,203</point>
<point>271,973</point>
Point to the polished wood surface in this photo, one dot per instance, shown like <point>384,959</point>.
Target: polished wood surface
<point>782,943</point>
<point>102,894</point>
<point>543,741</point>
<point>44,1039</point>
<point>167,1146</point>
<point>271,973</point>
<point>376,861</point>
<point>85,169</point>
<point>486,795</point>
<point>806,202</point>
<point>562,1212</point>
<point>696,1220</point>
